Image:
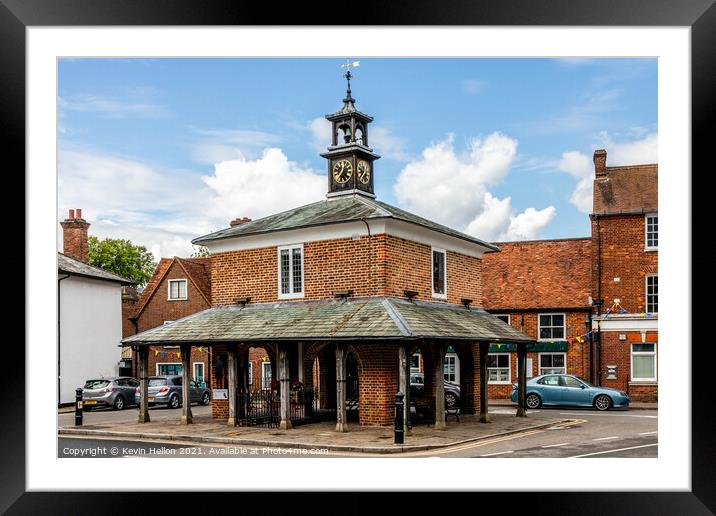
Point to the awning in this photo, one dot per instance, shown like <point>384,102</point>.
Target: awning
<point>540,346</point>
<point>369,318</point>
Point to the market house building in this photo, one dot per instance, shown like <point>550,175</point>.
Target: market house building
<point>339,293</point>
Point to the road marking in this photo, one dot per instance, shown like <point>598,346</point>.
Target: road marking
<point>498,453</point>
<point>613,451</point>
<point>609,415</point>
<point>649,433</point>
<point>554,445</point>
<point>606,438</point>
<point>467,446</point>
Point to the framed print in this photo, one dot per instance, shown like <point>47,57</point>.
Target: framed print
<point>484,192</point>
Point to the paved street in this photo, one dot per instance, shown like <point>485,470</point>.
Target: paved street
<point>98,417</point>
<point>631,433</point>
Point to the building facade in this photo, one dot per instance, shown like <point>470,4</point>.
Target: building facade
<point>89,306</point>
<point>339,294</point>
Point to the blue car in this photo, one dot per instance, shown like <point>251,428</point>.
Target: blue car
<point>569,390</point>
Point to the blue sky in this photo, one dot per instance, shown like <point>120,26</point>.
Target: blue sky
<point>162,150</point>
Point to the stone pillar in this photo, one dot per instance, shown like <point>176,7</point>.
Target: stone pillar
<point>143,354</point>
<point>285,389</point>
<point>341,373</point>
<point>522,379</point>
<point>233,384</point>
<point>484,416</point>
<point>404,383</point>
<point>186,418</point>
<point>440,350</point>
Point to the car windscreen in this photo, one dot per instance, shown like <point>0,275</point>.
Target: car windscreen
<point>96,384</point>
<point>156,382</point>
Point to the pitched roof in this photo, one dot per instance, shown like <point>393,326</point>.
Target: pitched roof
<point>197,271</point>
<point>332,211</point>
<point>632,189</point>
<point>356,318</point>
<point>538,274</point>
<point>68,265</point>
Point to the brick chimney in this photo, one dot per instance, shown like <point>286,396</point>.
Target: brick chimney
<point>600,163</point>
<point>74,236</point>
<point>239,221</point>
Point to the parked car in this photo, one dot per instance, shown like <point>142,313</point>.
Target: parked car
<point>452,390</point>
<point>167,390</point>
<point>115,392</point>
<point>569,390</point>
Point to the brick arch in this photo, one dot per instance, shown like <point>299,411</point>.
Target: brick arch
<point>378,381</point>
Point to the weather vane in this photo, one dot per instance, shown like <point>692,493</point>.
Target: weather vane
<point>348,65</point>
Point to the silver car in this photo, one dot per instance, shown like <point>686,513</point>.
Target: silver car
<point>115,392</point>
<point>167,390</point>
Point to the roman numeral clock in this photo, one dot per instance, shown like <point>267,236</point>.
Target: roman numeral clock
<point>350,159</point>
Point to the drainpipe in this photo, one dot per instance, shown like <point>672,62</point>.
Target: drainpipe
<point>370,244</point>
<point>598,302</point>
<point>59,370</point>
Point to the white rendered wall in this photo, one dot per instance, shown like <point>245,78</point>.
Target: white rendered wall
<point>90,331</point>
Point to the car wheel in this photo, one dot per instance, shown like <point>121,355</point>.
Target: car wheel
<point>205,399</point>
<point>533,401</point>
<point>118,403</point>
<point>602,402</point>
<point>173,401</point>
<point>450,400</point>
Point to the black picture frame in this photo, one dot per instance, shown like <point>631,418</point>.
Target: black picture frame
<point>699,15</point>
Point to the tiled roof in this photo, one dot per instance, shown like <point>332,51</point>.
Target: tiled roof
<point>627,189</point>
<point>198,270</point>
<point>68,265</point>
<point>538,274</point>
<point>356,318</point>
<point>332,211</point>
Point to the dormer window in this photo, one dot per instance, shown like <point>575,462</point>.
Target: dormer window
<point>439,281</point>
<point>177,290</point>
<point>651,223</point>
<point>290,271</point>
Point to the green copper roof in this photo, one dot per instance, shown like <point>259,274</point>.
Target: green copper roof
<point>375,318</point>
<point>332,211</point>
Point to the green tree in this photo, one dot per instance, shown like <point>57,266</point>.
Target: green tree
<point>122,257</point>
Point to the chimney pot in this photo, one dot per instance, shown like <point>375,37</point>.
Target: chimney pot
<point>238,221</point>
<point>600,163</point>
<point>72,214</point>
<point>79,213</point>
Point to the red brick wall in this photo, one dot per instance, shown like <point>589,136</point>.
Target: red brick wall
<point>376,265</point>
<point>159,309</point>
<point>623,256</point>
<point>75,239</point>
<point>618,352</point>
<point>577,353</point>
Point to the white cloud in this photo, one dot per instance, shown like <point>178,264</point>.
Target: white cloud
<point>580,166</point>
<point>451,188</point>
<point>113,107</point>
<point>473,85</point>
<point>320,130</point>
<point>261,187</point>
<point>215,146</point>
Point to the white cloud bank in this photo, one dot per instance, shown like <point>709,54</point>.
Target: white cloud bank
<point>581,167</point>
<point>256,188</point>
<point>451,188</point>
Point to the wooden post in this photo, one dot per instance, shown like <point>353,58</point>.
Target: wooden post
<point>186,418</point>
<point>522,378</point>
<point>484,416</point>
<point>285,392</point>
<point>341,373</point>
<point>143,353</point>
<point>440,350</point>
<point>233,384</point>
<point>404,383</point>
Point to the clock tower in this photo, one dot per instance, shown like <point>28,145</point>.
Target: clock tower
<point>350,159</point>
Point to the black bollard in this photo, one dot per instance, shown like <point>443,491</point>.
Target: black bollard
<point>399,408</point>
<point>78,406</point>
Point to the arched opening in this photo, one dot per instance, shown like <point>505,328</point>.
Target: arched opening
<point>343,135</point>
<point>359,135</point>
